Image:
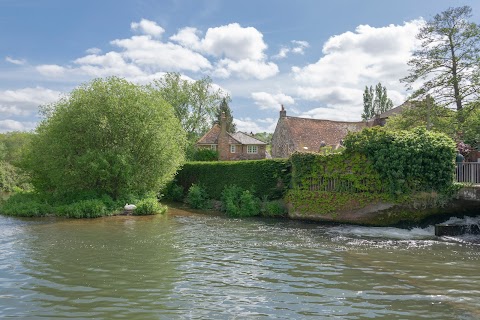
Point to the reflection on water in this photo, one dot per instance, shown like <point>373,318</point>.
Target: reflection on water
<point>205,267</point>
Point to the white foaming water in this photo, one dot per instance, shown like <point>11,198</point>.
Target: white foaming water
<point>385,232</point>
<point>464,220</point>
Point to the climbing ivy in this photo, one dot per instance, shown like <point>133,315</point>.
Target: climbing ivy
<point>407,161</point>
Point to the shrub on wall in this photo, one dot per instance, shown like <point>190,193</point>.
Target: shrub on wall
<point>416,160</point>
<point>268,177</point>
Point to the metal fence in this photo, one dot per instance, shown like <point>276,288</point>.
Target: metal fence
<point>468,172</point>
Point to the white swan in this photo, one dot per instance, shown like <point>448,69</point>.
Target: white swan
<point>130,206</point>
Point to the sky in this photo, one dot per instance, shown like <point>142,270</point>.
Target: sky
<point>314,57</point>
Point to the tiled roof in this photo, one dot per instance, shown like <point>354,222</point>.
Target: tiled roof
<point>211,137</point>
<point>244,138</point>
<point>307,134</point>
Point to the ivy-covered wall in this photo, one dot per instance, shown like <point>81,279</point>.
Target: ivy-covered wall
<point>325,184</point>
<point>270,177</point>
<point>376,166</point>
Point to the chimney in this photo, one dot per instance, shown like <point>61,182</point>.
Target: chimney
<point>283,112</point>
<point>223,124</point>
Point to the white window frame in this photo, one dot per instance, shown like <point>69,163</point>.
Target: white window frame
<point>233,148</point>
<point>252,149</point>
<point>213,147</point>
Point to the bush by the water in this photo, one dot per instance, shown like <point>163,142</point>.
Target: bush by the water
<point>197,197</point>
<point>237,202</point>
<point>149,206</point>
<point>275,208</point>
<point>29,204</point>
<point>173,192</point>
<point>269,177</point>
<point>108,136</point>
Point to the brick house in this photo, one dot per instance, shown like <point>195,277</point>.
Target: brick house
<point>232,146</point>
<point>308,135</point>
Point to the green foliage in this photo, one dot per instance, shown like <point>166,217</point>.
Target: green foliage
<point>447,60</point>
<point>149,206</point>
<point>12,178</point>
<point>197,197</point>
<point>407,161</point>
<point>329,203</point>
<point>340,172</point>
<point>375,103</point>
<point>204,154</point>
<point>274,208</point>
<point>194,102</point>
<point>225,108</point>
<point>25,205</point>
<point>173,192</point>
<point>471,126</point>
<point>108,136</point>
<point>268,177</point>
<point>426,114</point>
<point>92,208</point>
<point>12,146</point>
<point>237,202</point>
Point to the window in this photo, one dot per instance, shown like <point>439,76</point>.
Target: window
<point>213,147</point>
<point>232,148</point>
<point>252,149</point>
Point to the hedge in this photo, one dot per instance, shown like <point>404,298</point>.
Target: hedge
<point>265,178</point>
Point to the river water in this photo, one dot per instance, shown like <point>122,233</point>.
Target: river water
<point>196,266</point>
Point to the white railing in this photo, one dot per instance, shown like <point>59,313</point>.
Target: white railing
<point>468,172</point>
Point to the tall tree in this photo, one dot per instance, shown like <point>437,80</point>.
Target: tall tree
<point>368,111</point>
<point>425,113</point>
<point>448,59</point>
<point>194,102</point>
<point>225,108</point>
<point>108,136</point>
<point>375,102</point>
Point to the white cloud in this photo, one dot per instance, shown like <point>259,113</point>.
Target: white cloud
<point>51,70</point>
<point>25,102</point>
<point>353,60</point>
<point>255,126</point>
<point>160,56</point>
<point>240,50</point>
<point>271,101</point>
<point>16,61</point>
<point>93,51</point>
<point>297,47</point>
<point>29,96</point>
<point>245,69</point>
<point>9,125</point>
<point>147,27</point>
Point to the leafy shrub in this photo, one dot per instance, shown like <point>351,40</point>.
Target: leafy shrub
<point>197,197</point>
<point>173,192</point>
<point>83,209</point>
<point>25,205</point>
<point>273,209</point>
<point>416,160</point>
<point>205,155</point>
<point>270,177</point>
<point>237,202</point>
<point>149,206</point>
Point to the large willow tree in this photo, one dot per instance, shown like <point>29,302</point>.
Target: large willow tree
<point>108,136</point>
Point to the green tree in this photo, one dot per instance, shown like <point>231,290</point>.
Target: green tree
<point>448,59</point>
<point>195,102</point>
<point>108,136</point>
<point>427,114</point>
<point>375,102</point>
<point>225,108</point>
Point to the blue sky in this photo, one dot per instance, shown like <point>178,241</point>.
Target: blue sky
<point>315,57</point>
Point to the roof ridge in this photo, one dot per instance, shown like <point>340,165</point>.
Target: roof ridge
<point>356,122</point>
